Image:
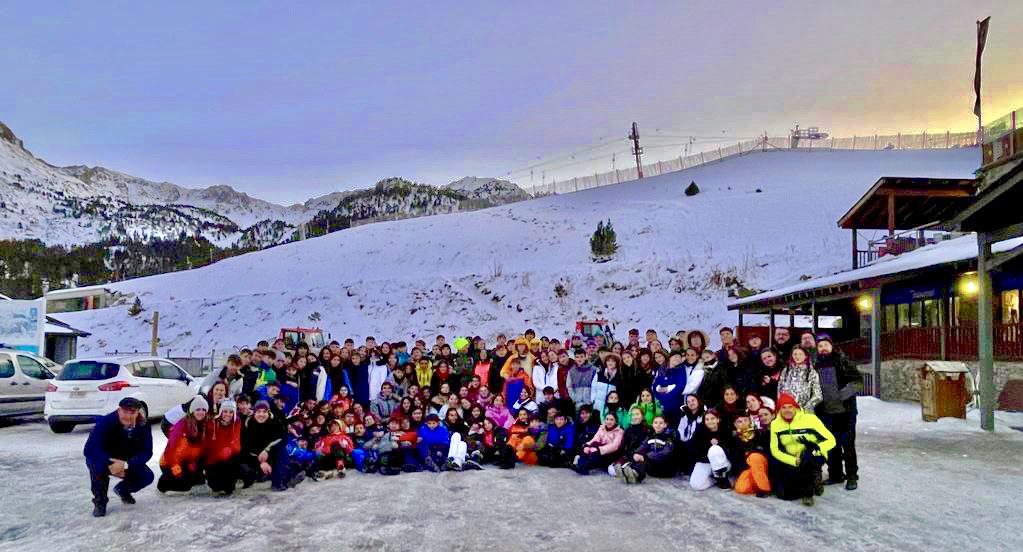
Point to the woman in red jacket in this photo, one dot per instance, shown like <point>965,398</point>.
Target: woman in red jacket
<point>181,460</point>
<point>222,448</point>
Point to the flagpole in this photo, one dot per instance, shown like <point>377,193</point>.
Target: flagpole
<point>980,120</point>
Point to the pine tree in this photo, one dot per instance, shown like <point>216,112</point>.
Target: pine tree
<point>604,242</point>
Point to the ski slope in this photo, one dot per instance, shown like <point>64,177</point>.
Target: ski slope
<point>496,270</point>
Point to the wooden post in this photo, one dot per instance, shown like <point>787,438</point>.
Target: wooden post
<point>855,251</point>
<point>792,321</point>
<point>985,333</point>
<point>770,328</point>
<point>156,333</point>
<point>943,325</point>
<point>740,323</point>
<point>891,215</point>
<point>875,338</point>
<point>875,141</point>
<point>702,162</point>
<point>813,316</point>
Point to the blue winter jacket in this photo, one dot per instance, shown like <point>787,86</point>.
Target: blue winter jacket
<point>671,400</point>
<point>438,437</point>
<point>299,454</point>
<point>563,438</point>
<point>109,439</point>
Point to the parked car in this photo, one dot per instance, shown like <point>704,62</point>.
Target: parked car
<point>92,387</point>
<point>23,380</point>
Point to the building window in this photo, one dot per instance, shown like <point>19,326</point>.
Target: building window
<point>1010,306</point>
<point>889,318</point>
<point>903,309</point>
<point>932,318</point>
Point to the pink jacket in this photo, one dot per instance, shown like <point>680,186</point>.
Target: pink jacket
<point>606,441</point>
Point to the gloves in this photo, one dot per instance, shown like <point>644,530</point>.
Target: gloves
<point>176,470</point>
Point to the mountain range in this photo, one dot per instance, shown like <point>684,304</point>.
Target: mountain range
<point>80,204</point>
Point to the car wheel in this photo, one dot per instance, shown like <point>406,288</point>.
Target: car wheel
<point>62,427</point>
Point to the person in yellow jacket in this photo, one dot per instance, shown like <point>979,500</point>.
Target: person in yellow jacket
<point>520,351</point>
<point>424,373</point>
<point>800,443</point>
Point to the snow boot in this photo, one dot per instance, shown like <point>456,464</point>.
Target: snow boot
<point>851,484</point>
<point>452,466</point>
<point>631,476</point>
<point>99,510</point>
<point>818,484</point>
<point>124,496</point>
<point>472,465</point>
<point>807,500</point>
<point>617,471</point>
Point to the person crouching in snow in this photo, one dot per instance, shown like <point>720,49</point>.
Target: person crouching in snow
<point>458,449</point>
<point>492,445</point>
<point>749,458</point>
<point>181,460</point>
<point>334,451</point>
<point>711,444</point>
<point>263,448</point>
<point>521,440</point>
<point>655,457</point>
<point>635,435</point>
<point>559,448</point>
<point>603,449</point>
<point>432,443</point>
<point>801,443</point>
<point>222,449</point>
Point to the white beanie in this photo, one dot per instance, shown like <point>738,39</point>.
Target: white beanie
<point>228,404</point>
<point>198,403</point>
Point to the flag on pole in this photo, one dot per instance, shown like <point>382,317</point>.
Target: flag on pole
<point>981,40</point>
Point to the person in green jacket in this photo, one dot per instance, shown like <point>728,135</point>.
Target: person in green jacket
<point>800,443</point>
<point>649,405</point>
<point>613,405</point>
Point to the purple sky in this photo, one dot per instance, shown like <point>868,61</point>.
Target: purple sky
<point>288,101</point>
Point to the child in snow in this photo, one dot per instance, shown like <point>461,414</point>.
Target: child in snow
<point>559,447</point>
<point>710,446</point>
<point>655,456</point>
<point>603,449</point>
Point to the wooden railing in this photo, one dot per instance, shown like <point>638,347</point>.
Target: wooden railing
<point>925,344</point>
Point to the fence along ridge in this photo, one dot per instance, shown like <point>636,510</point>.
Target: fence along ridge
<point>923,140</point>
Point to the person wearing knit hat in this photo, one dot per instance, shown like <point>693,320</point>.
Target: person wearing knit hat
<point>261,405</point>
<point>223,445</point>
<point>840,383</point>
<point>800,443</point>
<point>198,403</point>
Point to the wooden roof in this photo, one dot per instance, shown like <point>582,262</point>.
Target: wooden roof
<point>917,202</point>
<point>997,206</point>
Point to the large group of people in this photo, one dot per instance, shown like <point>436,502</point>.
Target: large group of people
<point>757,418</point>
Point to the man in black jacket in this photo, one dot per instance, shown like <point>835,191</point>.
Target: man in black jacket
<point>119,445</point>
<point>840,381</point>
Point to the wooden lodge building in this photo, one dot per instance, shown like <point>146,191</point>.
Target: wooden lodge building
<point>945,283</point>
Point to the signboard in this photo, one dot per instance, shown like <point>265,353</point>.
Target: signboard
<point>23,325</point>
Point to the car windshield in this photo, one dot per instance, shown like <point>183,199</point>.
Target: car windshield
<point>88,370</point>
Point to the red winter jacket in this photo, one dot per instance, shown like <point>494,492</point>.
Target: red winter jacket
<point>326,445</point>
<point>222,443</point>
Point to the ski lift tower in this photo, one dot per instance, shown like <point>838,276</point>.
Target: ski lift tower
<point>808,134</point>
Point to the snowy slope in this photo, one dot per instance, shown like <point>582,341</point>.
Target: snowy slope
<point>496,269</point>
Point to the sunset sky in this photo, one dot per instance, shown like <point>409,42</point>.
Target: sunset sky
<point>289,101</point>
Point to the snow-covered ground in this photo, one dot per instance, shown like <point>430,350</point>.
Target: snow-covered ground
<point>923,486</point>
<point>765,220</point>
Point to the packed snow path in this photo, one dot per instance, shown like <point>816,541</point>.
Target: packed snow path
<point>943,486</point>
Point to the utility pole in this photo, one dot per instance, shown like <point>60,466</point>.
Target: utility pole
<point>637,150</point>
<point>156,333</point>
